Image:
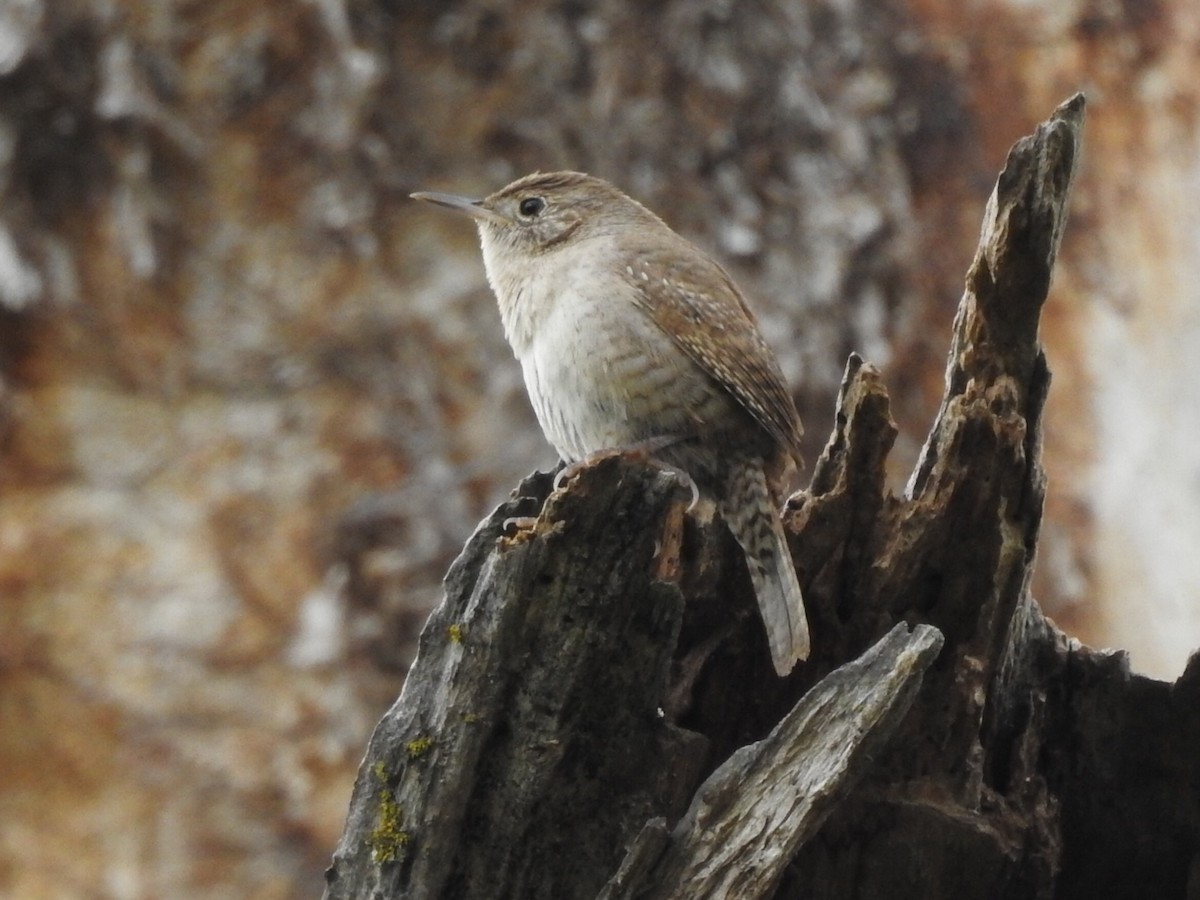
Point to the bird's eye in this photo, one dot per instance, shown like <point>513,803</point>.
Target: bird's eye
<point>531,206</point>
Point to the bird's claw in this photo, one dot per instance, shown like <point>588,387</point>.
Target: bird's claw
<point>513,524</point>
<point>569,471</point>
<point>685,480</point>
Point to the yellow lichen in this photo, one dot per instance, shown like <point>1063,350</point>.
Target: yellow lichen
<point>456,633</point>
<point>418,747</point>
<point>388,838</point>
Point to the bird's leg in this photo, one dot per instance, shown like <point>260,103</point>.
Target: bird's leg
<point>642,450</point>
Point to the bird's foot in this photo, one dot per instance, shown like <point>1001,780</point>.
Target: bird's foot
<point>514,524</point>
<point>570,470</point>
<point>642,450</point>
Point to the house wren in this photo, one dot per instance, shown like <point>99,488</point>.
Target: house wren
<point>630,336</point>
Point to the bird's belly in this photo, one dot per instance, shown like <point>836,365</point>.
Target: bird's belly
<point>599,381</point>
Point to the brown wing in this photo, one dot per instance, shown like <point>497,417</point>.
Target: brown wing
<point>695,301</point>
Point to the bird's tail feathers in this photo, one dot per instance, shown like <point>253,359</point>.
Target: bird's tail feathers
<point>781,604</point>
<point>751,515</point>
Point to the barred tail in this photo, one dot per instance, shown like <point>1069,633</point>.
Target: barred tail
<point>781,603</point>
<point>750,513</point>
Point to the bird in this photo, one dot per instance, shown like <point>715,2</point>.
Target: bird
<point>630,336</point>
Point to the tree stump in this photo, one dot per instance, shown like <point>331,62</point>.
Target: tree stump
<point>593,712</point>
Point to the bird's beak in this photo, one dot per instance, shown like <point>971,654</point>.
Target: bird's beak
<point>472,208</point>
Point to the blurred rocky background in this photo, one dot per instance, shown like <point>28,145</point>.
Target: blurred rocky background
<point>252,399</point>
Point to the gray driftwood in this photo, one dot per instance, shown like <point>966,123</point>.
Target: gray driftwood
<point>593,713</point>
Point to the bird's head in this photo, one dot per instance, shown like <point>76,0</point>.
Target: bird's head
<point>541,212</point>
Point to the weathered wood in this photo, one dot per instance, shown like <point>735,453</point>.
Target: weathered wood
<point>588,701</point>
<point>533,698</point>
<point>958,551</point>
<point>749,817</point>
<point>1002,783</point>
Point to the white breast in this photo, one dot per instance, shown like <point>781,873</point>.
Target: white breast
<point>601,375</point>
